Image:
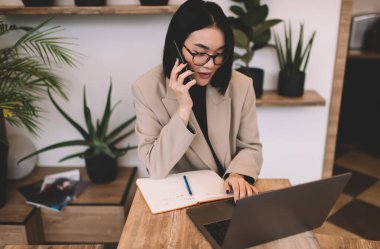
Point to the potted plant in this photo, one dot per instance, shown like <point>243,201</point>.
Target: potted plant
<point>101,153</point>
<point>26,73</point>
<point>251,32</point>
<point>291,80</point>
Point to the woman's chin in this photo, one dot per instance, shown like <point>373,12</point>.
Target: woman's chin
<point>202,82</point>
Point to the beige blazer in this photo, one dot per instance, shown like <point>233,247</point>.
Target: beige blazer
<point>166,145</point>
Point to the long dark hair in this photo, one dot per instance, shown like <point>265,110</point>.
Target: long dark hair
<point>191,16</point>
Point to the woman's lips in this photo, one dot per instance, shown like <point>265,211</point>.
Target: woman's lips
<point>204,75</point>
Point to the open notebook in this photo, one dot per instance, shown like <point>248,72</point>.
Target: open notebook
<point>170,193</point>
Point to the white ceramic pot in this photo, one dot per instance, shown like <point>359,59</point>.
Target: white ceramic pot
<point>20,146</point>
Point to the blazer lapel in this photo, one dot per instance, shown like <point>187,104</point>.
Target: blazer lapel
<point>199,144</point>
<point>218,121</point>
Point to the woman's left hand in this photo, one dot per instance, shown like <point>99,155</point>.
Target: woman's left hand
<point>240,186</point>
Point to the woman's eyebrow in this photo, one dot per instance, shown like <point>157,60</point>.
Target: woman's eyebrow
<point>205,47</point>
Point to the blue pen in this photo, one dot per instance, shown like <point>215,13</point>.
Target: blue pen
<point>187,185</point>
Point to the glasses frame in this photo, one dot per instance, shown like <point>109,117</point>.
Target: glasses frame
<point>193,54</point>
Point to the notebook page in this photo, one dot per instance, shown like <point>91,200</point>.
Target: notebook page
<point>206,185</point>
<point>166,194</point>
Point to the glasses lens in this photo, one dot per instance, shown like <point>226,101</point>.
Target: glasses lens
<point>200,59</point>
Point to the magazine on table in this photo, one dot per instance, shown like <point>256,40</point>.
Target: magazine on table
<point>55,192</point>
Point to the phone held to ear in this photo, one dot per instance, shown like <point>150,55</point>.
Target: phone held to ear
<point>181,60</point>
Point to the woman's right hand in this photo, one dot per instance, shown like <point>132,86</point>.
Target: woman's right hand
<point>181,91</point>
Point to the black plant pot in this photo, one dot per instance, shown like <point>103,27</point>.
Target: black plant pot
<point>101,168</point>
<point>257,76</point>
<point>38,3</point>
<point>291,85</point>
<point>90,2</point>
<point>154,2</point>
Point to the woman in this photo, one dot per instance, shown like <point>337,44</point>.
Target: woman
<point>209,122</point>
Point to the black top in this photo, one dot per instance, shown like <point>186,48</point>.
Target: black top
<point>198,95</point>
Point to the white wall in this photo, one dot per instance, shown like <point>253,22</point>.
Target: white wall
<point>125,46</point>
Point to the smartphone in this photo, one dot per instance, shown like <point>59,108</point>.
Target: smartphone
<point>181,60</point>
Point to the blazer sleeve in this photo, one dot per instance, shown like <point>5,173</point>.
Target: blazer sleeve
<point>160,147</point>
<point>248,159</point>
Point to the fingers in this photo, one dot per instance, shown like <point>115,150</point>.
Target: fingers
<point>176,74</point>
<point>255,190</point>
<point>226,185</point>
<point>240,187</point>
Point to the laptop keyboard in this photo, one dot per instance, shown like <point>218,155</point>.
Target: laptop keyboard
<point>218,230</point>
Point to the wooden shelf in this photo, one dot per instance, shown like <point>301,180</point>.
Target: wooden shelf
<point>91,10</point>
<point>97,215</point>
<point>358,54</point>
<point>271,98</point>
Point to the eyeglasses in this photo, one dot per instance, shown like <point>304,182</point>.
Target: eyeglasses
<point>201,59</point>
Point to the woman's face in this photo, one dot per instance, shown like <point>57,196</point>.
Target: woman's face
<point>208,40</point>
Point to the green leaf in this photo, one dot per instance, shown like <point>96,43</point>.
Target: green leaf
<point>55,146</point>
<point>241,39</point>
<point>87,115</point>
<point>251,4</point>
<point>279,51</point>
<point>259,14</point>
<point>297,56</point>
<point>119,129</point>
<point>117,140</point>
<point>123,151</point>
<point>237,10</point>
<point>307,51</point>
<point>263,27</point>
<point>80,154</point>
<point>106,115</point>
<point>263,38</point>
<point>70,120</point>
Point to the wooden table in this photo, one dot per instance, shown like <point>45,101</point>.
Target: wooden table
<point>175,230</point>
<point>98,215</point>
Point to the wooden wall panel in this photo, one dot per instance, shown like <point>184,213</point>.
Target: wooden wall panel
<point>340,64</point>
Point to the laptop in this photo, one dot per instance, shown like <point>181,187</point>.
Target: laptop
<point>268,216</point>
